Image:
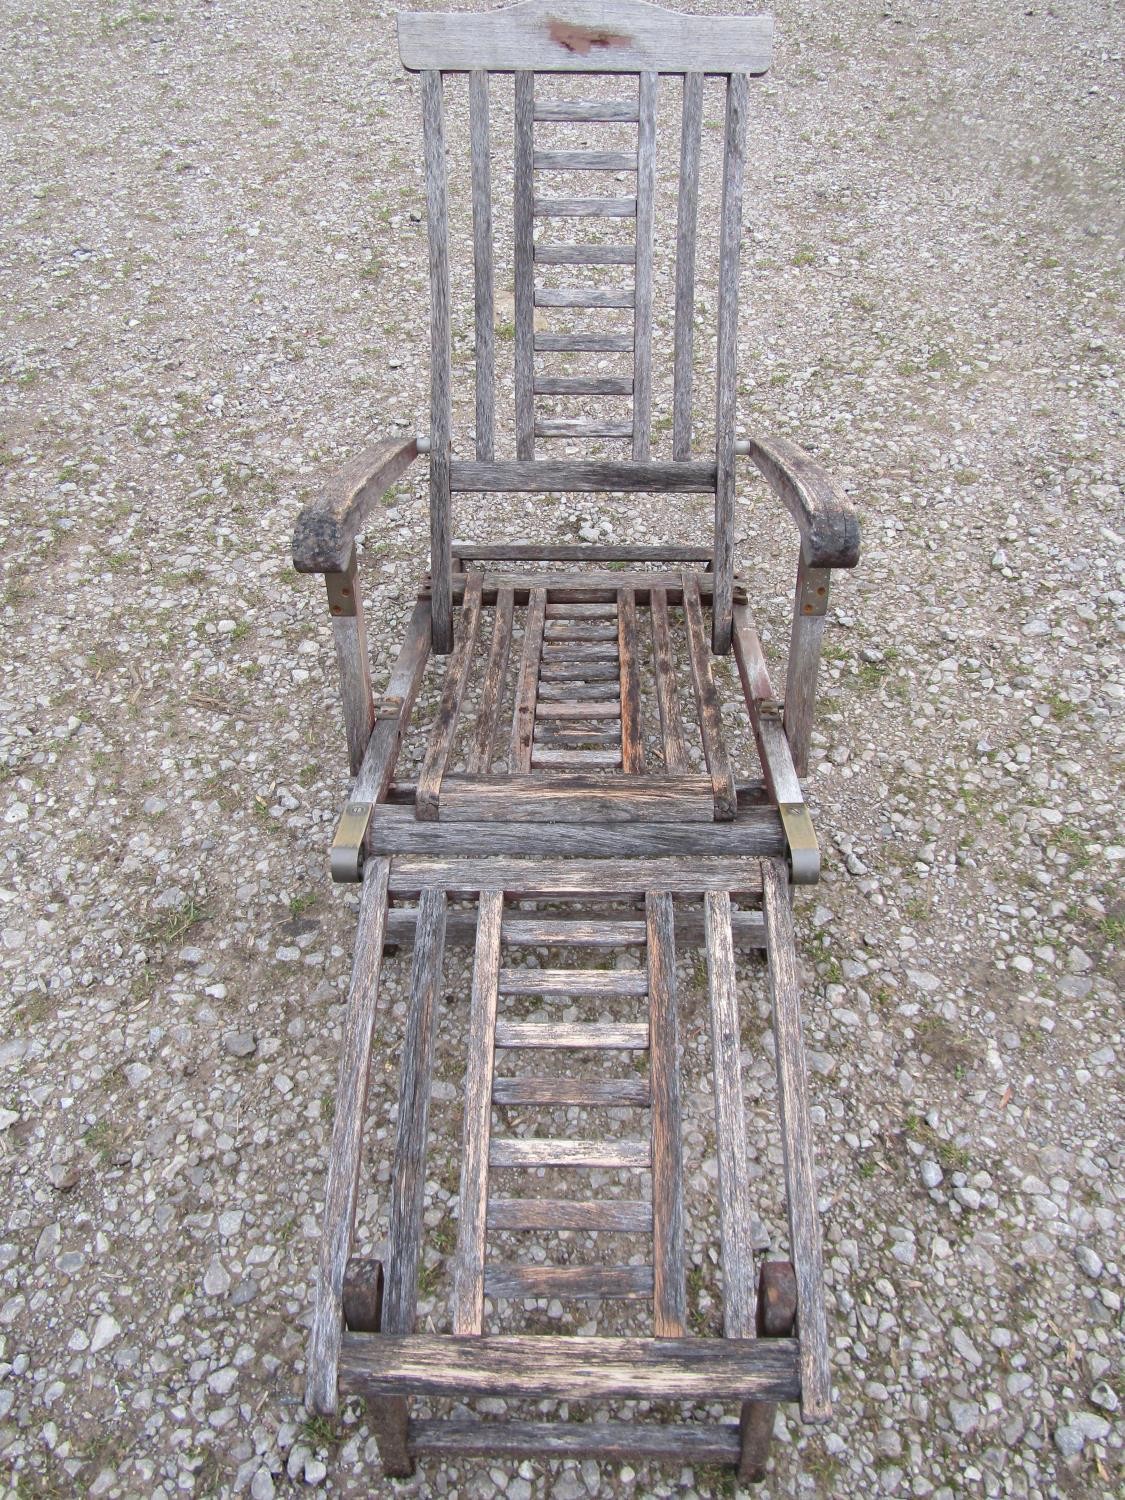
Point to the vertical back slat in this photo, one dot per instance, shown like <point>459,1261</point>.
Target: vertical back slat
<point>686,216</point>
<point>440,358</point>
<point>642,307</point>
<point>730,239</point>
<point>482,263</point>
<point>523,263</point>
<point>669,1289</point>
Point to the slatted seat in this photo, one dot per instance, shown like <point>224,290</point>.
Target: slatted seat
<point>550,778</point>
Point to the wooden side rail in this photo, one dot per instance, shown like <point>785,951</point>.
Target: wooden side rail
<point>829,539</point>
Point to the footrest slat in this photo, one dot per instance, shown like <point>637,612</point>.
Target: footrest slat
<point>679,1442</point>
<point>586,1283</point>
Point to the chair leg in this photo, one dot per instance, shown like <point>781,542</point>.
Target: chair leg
<point>388,1415</point>
<point>777,1313</point>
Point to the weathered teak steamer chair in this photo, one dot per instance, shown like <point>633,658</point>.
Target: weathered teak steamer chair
<point>565,832</point>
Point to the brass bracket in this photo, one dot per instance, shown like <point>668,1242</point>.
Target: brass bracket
<point>800,836</point>
<point>349,846</point>
<point>812,596</point>
<point>342,591</point>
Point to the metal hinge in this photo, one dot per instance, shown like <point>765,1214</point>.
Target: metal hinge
<point>800,837</point>
<point>348,847</point>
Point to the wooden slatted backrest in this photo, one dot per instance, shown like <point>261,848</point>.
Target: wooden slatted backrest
<point>584,36</point>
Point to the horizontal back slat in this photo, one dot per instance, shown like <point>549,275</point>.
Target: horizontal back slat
<point>585,36</point>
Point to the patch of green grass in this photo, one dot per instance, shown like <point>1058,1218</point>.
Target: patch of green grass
<point>170,927</point>
<point>953,1158</point>
<point>1061,708</point>
<point>319,1431</point>
<point>804,256</point>
<point>940,359</point>
<point>506,331</point>
<point>102,1139</point>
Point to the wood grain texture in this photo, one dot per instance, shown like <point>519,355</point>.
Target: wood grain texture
<point>483,318</point>
<point>530,1366</point>
<point>796,1141</point>
<point>584,36</point>
<point>686,219</point>
<point>642,316</point>
<point>575,797</point>
<point>823,513</point>
<point>580,552</point>
<point>523,263</point>
<point>595,343</point>
<point>630,1036</point>
<point>747,926</point>
<point>707,704</point>
<point>735,1221</point>
<point>582,1093</point>
<point>582,476</point>
<point>579,109</point>
<point>573,932</point>
<point>584,385</point>
<point>346,1150</point>
<point>805,641</point>
<point>577,427</point>
<point>440,743</point>
<point>539,1151</point>
<point>433,137</point>
<point>386,738</point>
<point>584,1283</point>
<point>671,1442</point>
<point>468,1275</point>
<point>765,718</point>
<point>492,692</point>
<point>549,759</point>
<point>585,161</point>
<point>612,1215</point>
<point>585,208</point>
<point>669,1301</point>
<point>585,297</point>
<point>629,668</point>
<point>328,526</point>
<point>676,761</point>
<point>527,684</point>
<point>585,255</point>
<point>726,356</point>
<point>580,877</point>
<point>603,982</point>
<point>777,1312</point>
<point>408,1173</point>
<point>349,637</point>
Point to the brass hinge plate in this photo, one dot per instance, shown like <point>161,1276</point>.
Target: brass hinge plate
<point>813,598</point>
<point>800,837</point>
<point>348,847</point>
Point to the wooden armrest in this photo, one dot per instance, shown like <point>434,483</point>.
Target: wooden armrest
<point>328,525</point>
<point>824,516</point>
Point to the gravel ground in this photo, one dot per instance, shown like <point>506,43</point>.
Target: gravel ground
<point>212,279</point>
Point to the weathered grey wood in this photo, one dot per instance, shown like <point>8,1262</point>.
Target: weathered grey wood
<point>553,736</point>
<point>565,797</point>
<point>427,798</point>
<point>607,343</point>
<point>669,1302</point>
<point>769,736</point>
<point>755,831</point>
<point>585,255</point>
<point>342,1188</point>
<point>580,552</point>
<point>686,215</point>
<point>408,1174</point>
<point>564,610</point>
<point>580,877</point>
<point>523,264</point>
<point>588,38</point>
<point>537,1151</point>
<point>670,1442</point>
<point>579,651</point>
<point>492,692</point>
<point>574,109</point>
<point>588,672</point>
<point>796,1141</point>
<point>527,684</point>
<point>585,208</point>
<point>531,1367</point>
<point>584,1283</point>
<point>604,982</point>
<point>402,687</point>
<point>630,1036</point>
<point>585,161</point>
<point>672,740</point>
<point>707,704</point>
<point>588,702</point>
<point>582,1093</point>
<point>349,636</point>
<point>726,356</point>
<point>484,334</point>
<point>576,631</point>
<point>823,513</point>
<point>549,758</point>
<point>593,586</point>
<point>777,1311</point>
<point>570,476</point>
<point>613,1215</point>
<point>546,296</point>
<point>468,1275</point>
<point>632,727</point>
<point>328,526</point>
<point>585,385</point>
<point>642,317</point>
<point>576,933</point>
<point>566,427</point>
<point>810,599</point>
<point>748,927</point>
<point>440,358</point>
<point>735,1231</point>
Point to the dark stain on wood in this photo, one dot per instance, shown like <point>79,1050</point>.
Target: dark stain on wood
<point>583,39</point>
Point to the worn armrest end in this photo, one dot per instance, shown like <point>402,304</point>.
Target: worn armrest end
<point>827,522</point>
<point>327,526</point>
